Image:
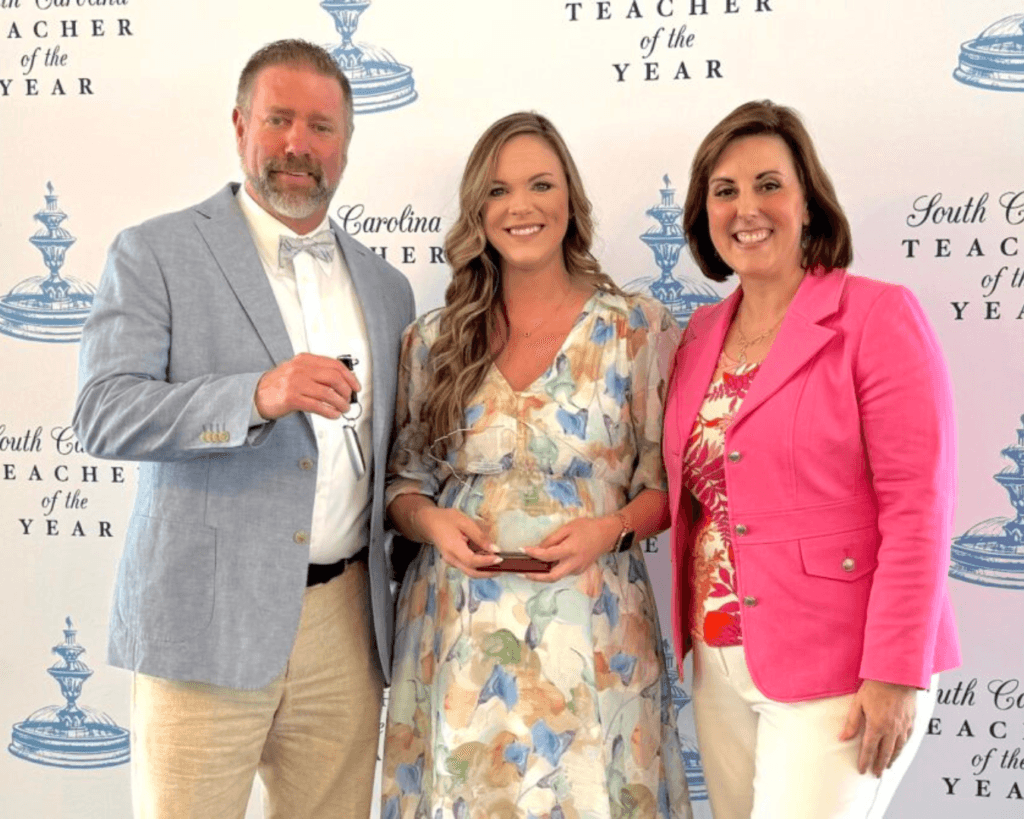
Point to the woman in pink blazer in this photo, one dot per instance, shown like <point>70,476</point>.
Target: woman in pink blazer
<point>810,447</point>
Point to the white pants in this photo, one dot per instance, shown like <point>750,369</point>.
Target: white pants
<point>765,759</point>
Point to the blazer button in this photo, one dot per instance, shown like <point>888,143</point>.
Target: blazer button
<point>749,601</point>
<point>735,456</point>
<point>306,464</point>
<point>741,529</point>
<point>849,564</point>
<point>301,537</point>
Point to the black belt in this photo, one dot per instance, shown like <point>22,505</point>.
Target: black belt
<point>318,573</point>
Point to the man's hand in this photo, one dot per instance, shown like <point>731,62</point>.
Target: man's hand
<point>885,713</point>
<point>306,383</point>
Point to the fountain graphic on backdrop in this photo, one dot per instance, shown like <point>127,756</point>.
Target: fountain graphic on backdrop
<point>48,308</point>
<point>994,60</point>
<point>72,736</point>
<point>688,745</point>
<point>379,82</point>
<point>681,295</point>
<point>991,553</point>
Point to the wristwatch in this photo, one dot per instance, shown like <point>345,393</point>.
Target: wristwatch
<point>624,542</point>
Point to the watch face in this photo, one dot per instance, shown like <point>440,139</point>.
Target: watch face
<point>626,541</point>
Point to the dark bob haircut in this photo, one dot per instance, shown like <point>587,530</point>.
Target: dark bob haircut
<point>828,243</point>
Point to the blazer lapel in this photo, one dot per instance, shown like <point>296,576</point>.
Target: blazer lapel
<point>376,317</point>
<point>697,357</point>
<point>226,233</point>
<point>799,338</point>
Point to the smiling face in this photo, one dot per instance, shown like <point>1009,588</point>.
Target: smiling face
<point>526,212</point>
<point>293,143</point>
<point>757,209</point>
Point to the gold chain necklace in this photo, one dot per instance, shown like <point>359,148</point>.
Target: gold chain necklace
<point>750,342</point>
<point>546,316</point>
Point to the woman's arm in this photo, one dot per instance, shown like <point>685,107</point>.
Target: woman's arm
<point>413,478</point>
<point>905,396</point>
<point>457,537</point>
<point>579,543</point>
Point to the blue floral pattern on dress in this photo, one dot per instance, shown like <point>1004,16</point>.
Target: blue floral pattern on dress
<point>511,697</point>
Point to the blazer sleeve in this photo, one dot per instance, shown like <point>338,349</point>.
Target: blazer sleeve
<point>906,407</point>
<point>682,503</point>
<point>127,408</point>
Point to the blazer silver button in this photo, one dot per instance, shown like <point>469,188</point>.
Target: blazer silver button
<point>749,601</point>
<point>300,537</point>
<point>306,464</point>
<point>741,529</point>
<point>734,456</point>
<point>849,564</point>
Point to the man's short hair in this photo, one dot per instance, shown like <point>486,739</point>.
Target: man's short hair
<point>300,53</point>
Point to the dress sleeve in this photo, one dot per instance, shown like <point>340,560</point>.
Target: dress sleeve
<point>906,405</point>
<point>653,352</point>
<point>410,469</point>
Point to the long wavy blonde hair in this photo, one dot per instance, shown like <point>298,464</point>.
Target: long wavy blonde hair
<point>474,312</point>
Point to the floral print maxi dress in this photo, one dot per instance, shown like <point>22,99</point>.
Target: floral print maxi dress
<point>511,697</point>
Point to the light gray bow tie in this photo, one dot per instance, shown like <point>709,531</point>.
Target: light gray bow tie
<point>320,245</point>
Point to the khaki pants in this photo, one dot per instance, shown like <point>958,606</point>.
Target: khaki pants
<point>311,734</point>
<point>765,759</point>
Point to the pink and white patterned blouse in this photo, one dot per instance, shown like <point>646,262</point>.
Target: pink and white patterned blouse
<point>715,612</point>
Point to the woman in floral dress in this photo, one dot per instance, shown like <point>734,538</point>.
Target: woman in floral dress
<point>529,418</point>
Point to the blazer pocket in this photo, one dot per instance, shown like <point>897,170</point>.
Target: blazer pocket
<point>165,586</point>
<point>845,556</point>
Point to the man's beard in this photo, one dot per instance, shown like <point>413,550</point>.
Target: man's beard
<point>295,204</point>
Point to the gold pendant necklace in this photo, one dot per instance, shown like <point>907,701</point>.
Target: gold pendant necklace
<point>546,316</point>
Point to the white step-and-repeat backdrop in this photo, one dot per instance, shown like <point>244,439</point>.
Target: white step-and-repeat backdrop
<point>112,111</point>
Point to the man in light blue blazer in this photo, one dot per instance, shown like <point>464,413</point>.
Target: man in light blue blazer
<point>253,599</point>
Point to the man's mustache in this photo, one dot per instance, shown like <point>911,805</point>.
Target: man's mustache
<point>295,164</point>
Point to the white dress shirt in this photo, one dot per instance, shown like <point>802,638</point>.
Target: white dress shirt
<point>322,315</point>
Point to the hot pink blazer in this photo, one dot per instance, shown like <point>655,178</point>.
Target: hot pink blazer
<point>840,469</point>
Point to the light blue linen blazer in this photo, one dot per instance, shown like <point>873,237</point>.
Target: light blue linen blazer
<point>184,323</point>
